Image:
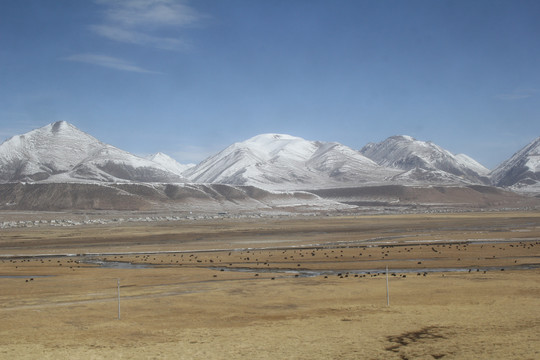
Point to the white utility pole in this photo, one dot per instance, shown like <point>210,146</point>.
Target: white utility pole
<point>118,284</point>
<point>387,293</point>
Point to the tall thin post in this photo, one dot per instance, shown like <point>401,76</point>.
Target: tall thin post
<point>118,284</point>
<point>387,292</point>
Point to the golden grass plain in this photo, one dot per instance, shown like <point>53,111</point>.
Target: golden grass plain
<point>192,302</point>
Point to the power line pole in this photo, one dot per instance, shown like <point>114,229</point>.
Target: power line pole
<point>387,293</point>
<point>118,285</point>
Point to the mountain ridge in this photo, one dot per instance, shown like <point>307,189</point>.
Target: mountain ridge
<point>406,153</point>
<point>59,152</point>
<point>521,171</point>
<point>288,162</point>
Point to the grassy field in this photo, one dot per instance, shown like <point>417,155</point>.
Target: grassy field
<point>298,288</point>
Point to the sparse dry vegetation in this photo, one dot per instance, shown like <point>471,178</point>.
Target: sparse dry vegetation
<point>298,288</point>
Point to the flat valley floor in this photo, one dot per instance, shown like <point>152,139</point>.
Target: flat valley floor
<point>461,286</point>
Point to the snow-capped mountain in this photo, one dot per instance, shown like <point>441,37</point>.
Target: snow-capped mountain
<point>287,162</point>
<point>522,170</point>
<point>169,163</point>
<point>425,160</point>
<point>60,152</point>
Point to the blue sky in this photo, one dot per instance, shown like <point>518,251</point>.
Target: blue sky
<point>189,78</point>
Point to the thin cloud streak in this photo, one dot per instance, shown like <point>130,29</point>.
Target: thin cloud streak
<point>109,62</point>
<point>150,12</point>
<point>138,38</point>
<point>138,21</point>
<point>518,94</point>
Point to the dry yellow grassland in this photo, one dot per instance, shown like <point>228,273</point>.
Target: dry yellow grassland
<point>182,305</point>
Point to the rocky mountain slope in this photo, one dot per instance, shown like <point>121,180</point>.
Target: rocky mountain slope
<point>186,198</point>
<point>286,162</point>
<point>521,171</point>
<point>425,161</point>
<point>60,152</point>
<point>429,197</point>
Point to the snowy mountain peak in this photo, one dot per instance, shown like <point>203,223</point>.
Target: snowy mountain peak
<point>269,146</point>
<point>159,156</point>
<point>54,148</point>
<point>60,129</point>
<point>169,163</point>
<point>405,137</point>
<point>59,126</point>
<point>61,152</point>
<point>522,170</point>
<point>269,137</point>
<point>57,129</point>
<point>285,162</point>
<point>405,152</point>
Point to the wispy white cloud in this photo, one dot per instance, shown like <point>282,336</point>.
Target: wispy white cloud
<point>518,94</point>
<point>108,62</point>
<point>150,12</point>
<point>134,37</point>
<point>142,22</point>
